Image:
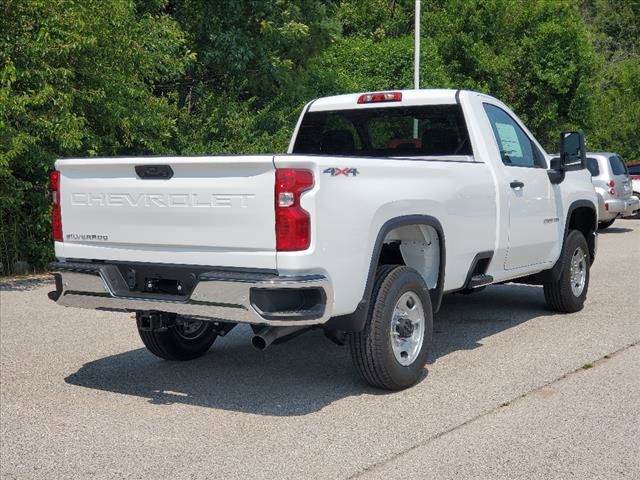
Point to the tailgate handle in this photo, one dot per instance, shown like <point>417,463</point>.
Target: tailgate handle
<point>157,172</point>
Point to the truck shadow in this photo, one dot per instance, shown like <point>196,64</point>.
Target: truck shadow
<point>612,230</point>
<point>301,376</point>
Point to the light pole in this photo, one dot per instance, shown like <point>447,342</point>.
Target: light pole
<point>416,61</point>
<point>416,50</point>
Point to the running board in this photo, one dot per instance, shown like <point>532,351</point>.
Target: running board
<point>480,280</point>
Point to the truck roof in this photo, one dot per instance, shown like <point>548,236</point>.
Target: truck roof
<point>409,98</point>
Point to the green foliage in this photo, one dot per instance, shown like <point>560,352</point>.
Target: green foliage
<point>535,56</point>
<point>227,125</point>
<point>254,48</point>
<point>376,18</point>
<point>617,111</point>
<point>615,25</point>
<point>615,28</point>
<point>134,77</point>
<point>364,64</point>
<point>243,94</point>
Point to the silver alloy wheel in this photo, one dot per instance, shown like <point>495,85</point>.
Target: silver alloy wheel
<point>578,276</point>
<point>190,330</point>
<point>407,328</point>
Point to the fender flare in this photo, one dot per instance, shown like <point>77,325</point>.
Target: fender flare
<point>356,321</point>
<point>578,204</point>
<point>591,241</point>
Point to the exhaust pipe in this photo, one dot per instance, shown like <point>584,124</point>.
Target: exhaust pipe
<point>267,335</point>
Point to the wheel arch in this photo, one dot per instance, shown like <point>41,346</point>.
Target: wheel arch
<point>582,215</point>
<point>355,321</point>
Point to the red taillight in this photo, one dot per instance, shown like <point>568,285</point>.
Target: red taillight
<point>612,184</point>
<point>378,97</point>
<point>293,224</point>
<point>56,214</point>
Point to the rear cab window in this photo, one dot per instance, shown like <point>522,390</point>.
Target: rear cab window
<point>435,130</point>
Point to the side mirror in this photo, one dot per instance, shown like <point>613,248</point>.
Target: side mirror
<point>572,151</point>
<point>572,156</point>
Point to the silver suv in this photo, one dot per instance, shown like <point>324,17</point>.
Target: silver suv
<point>612,183</point>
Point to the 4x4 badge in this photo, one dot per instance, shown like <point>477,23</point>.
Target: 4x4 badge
<point>335,172</point>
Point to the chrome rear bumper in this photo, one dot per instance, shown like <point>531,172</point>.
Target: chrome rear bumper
<point>625,207</point>
<point>218,295</point>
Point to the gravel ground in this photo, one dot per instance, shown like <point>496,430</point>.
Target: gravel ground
<point>508,393</point>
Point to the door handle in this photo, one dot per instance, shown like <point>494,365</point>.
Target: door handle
<point>516,185</point>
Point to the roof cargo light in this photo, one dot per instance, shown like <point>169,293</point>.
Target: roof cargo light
<point>378,97</point>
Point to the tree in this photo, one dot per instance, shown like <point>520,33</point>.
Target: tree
<point>615,27</point>
<point>617,111</point>
<point>253,48</point>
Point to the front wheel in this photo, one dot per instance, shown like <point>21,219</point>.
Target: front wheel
<point>393,348</point>
<point>184,340</point>
<point>570,291</point>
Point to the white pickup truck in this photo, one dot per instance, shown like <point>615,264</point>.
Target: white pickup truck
<point>384,202</point>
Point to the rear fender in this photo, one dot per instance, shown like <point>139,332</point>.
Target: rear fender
<point>356,321</point>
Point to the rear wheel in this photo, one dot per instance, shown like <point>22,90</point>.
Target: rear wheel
<point>570,291</point>
<point>603,225</point>
<point>393,348</point>
<point>184,340</point>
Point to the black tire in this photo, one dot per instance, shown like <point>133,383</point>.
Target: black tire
<point>560,295</point>
<point>175,344</point>
<point>371,349</point>
<point>603,225</point>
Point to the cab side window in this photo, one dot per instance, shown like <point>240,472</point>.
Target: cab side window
<point>516,148</point>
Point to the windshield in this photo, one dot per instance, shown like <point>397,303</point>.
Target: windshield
<point>385,132</point>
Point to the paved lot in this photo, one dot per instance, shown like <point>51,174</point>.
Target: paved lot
<point>506,394</point>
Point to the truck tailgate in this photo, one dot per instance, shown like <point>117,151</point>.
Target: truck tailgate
<point>215,211</point>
